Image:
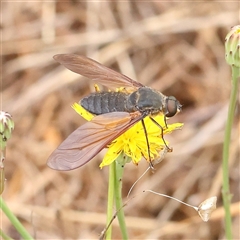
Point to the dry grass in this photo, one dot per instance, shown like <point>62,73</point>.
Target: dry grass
<point>175,47</point>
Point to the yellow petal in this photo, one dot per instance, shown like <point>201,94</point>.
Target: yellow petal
<point>109,157</point>
<point>83,112</point>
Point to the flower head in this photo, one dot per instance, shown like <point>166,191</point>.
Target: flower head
<point>133,142</point>
<point>232,46</point>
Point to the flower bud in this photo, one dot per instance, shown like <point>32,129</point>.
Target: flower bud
<point>232,47</point>
<point>6,127</point>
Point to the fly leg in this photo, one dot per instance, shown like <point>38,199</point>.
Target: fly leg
<point>168,148</point>
<point>148,146</point>
<point>165,122</point>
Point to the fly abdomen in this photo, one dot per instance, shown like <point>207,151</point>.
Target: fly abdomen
<point>105,102</point>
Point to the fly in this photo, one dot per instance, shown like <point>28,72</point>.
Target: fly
<point>115,112</point>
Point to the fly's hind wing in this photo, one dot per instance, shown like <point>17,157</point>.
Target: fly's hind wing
<point>89,139</point>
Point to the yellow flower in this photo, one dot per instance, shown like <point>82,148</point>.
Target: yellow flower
<point>133,142</point>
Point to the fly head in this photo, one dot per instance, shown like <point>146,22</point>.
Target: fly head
<point>172,106</point>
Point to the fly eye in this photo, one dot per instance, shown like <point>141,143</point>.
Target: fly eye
<point>171,106</point>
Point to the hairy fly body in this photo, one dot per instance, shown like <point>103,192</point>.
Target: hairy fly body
<point>142,100</point>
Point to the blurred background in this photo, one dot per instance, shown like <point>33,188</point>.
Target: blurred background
<point>174,47</point>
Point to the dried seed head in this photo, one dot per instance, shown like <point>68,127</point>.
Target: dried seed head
<point>206,208</point>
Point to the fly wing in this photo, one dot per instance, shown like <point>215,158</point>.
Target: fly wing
<point>97,72</point>
<point>89,139</point>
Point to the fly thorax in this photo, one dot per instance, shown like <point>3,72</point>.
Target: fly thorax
<point>145,99</point>
<point>131,105</point>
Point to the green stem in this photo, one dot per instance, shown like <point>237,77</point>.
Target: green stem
<point>2,174</point>
<point>118,195</point>
<point>227,140</point>
<point>15,222</point>
<point>111,193</point>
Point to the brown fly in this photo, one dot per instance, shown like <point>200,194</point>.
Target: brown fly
<point>115,112</point>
